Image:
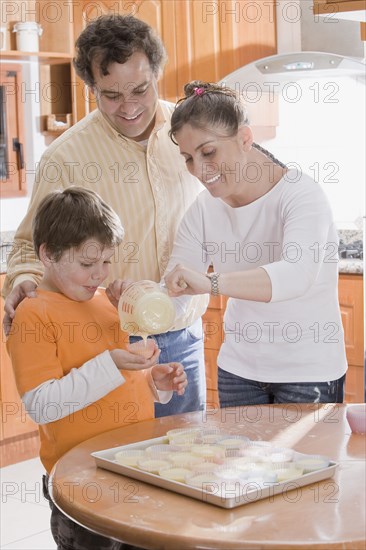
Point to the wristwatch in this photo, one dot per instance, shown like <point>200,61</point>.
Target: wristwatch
<point>214,278</point>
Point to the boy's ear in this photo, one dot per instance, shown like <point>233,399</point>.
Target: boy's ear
<point>246,137</point>
<point>45,256</point>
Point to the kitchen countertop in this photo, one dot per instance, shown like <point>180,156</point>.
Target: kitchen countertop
<point>351,266</point>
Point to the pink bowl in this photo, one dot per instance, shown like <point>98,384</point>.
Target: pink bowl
<point>356,416</point>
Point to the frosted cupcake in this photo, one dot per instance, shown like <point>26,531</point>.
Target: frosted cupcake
<point>312,463</point>
<point>177,432</point>
<point>209,482</point>
<point>151,465</point>
<point>175,474</point>
<point>183,460</point>
<point>287,471</point>
<point>129,458</point>
<point>207,452</point>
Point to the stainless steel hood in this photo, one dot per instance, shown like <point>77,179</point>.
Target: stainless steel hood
<point>291,67</point>
<point>308,109</point>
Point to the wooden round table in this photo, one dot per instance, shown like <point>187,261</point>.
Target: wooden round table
<point>327,514</point>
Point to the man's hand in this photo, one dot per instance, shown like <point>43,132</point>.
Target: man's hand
<point>170,376</point>
<point>115,289</point>
<point>26,289</point>
<point>125,360</point>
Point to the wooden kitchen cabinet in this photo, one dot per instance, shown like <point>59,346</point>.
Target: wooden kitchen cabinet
<point>19,438</point>
<point>54,91</point>
<point>213,337</point>
<point>204,40</point>
<point>350,292</point>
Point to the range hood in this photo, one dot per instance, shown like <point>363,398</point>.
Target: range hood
<point>270,74</point>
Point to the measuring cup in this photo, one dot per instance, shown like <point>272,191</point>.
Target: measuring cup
<point>145,308</point>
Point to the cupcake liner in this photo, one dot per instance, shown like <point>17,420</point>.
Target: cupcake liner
<point>153,466</point>
<point>312,463</point>
<point>175,474</point>
<point>129,458</point>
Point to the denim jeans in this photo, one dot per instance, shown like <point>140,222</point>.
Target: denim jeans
<point>183,346</point>
<point>235,391</point>
<point>69,535</point>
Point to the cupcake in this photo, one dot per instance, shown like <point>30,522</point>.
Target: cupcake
<point>312,463</point>
<point>129,458</point>
<point>151,465</point>
<point>175,474</point>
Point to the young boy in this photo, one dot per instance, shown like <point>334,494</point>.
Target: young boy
<point>66,345</point>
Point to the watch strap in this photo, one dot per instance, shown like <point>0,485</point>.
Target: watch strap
<point>214,278</point>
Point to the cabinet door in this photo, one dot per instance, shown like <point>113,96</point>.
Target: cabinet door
<point>213,338</point>
<point>12,132</point>
<point>204,40</point>
<point>354,388</point>
<point>350,294</point>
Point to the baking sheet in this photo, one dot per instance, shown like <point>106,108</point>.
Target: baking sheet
<point>105,459</point>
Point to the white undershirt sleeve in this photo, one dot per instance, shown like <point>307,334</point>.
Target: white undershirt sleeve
<point>82,386</point>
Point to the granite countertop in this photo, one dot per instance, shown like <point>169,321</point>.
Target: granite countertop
<point>353,266</point>
<point>345,265</point>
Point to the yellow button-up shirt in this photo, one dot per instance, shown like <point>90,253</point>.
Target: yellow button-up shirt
<point>148,187</point>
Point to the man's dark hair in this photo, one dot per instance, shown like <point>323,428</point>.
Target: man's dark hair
<point>113,39</point>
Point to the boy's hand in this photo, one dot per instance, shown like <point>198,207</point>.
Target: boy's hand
<point>125,360</point>
<point>115,289</point>
<point>170,376</point>
<point>143,348</point>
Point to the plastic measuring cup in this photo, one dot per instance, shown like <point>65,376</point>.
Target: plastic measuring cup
<point>145,308</point>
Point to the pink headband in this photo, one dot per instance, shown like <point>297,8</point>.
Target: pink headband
<point>199,91</point>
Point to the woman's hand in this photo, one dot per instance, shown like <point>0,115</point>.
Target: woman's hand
<point>115,289</point>
<point>182,280</point>
<point>127,360</point>
<point>170,376</point>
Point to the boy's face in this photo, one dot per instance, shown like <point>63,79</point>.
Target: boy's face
<point>79,271</point>
<point>128,96</point>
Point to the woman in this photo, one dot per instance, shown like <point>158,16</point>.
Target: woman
<point>271,239</point>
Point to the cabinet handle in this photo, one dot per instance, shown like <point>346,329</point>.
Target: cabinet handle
<point>18,147</point>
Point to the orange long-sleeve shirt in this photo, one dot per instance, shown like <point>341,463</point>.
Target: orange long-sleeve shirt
<point>51,335</point>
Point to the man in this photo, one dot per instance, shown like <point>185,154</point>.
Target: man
<point>123,151</point>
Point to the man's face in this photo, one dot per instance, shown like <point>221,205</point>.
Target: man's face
<point>128,96</point>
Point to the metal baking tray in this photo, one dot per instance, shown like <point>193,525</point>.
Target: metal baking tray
<point>105,459</point>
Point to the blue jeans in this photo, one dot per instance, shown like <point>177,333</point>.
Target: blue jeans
<point>235,391</point>
<point>186,347</point>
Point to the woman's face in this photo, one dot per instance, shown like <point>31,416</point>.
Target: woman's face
<point>218,161</point>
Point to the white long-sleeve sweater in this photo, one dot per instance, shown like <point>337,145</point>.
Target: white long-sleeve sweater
<point>298,336</point>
